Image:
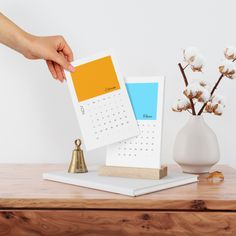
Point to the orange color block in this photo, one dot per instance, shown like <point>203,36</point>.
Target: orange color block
<point>95,78</point>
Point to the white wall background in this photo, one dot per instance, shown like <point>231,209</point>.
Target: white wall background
<point>37,120</point>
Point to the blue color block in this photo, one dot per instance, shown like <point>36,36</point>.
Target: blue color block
<point>143,97</point>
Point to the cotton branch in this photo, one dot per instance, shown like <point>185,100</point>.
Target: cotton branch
<point>212,91</point>
<point>186,84</point>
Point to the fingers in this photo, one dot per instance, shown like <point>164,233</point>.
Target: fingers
<point>61,67</point>
<point>59,71</point>
<point>62,61</point>
<point>67,52</point>
<point>52,69</point>
<point>56,70</point>
<point>59,55</point>
<point>63,47</point>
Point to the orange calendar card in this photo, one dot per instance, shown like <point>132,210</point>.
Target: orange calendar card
<point>101,101</point>
<point>95,78</point>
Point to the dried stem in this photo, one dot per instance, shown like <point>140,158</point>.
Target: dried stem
<point>189,112</point>
<point>186,84</point>
<point>185,66</point>
<point>212,92</point>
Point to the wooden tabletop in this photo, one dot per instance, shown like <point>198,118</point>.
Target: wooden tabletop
<point>22,187</point>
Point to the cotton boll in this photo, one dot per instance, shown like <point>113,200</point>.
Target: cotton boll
<point>196,91</point>
<point>192,90</point>
<point>175,108</point>
<point>227,66</point>
<point>205,95</point>
<point>182,104</point>
<point>228,69</point>
<point>218,110</point>
<point>209,107</point>
<point>230,53</point>
<point>215,105</point>
<point>189,54</point>
<point>234,75</point>
<point>218,99</point>
<point>198,63</point>
<point>194,58</point>
<point>204,83</point>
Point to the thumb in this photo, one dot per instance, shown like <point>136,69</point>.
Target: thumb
<point>62,61</point>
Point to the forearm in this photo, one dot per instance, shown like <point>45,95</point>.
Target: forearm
<point>53,49</point>
<point>13,36</point>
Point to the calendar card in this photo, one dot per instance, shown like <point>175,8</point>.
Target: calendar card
<point>144,151</point>
<point>101,101</point>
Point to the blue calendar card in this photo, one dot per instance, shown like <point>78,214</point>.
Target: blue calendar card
<point>144,100</point>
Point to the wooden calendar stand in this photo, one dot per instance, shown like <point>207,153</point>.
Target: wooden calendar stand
<point>131,172</point>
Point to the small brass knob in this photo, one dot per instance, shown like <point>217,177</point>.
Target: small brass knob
<point>78,143</point>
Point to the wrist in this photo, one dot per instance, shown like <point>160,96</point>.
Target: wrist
<point>26,45</point>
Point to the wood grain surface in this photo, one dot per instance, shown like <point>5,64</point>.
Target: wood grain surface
<point>116,223</point>
<point>22,186</point>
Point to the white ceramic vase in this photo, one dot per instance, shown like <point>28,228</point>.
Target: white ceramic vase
<point>196,148</point>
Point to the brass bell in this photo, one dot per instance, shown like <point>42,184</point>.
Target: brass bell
<point>77,164</point>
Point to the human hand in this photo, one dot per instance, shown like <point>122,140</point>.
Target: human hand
<point>54,50</point>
